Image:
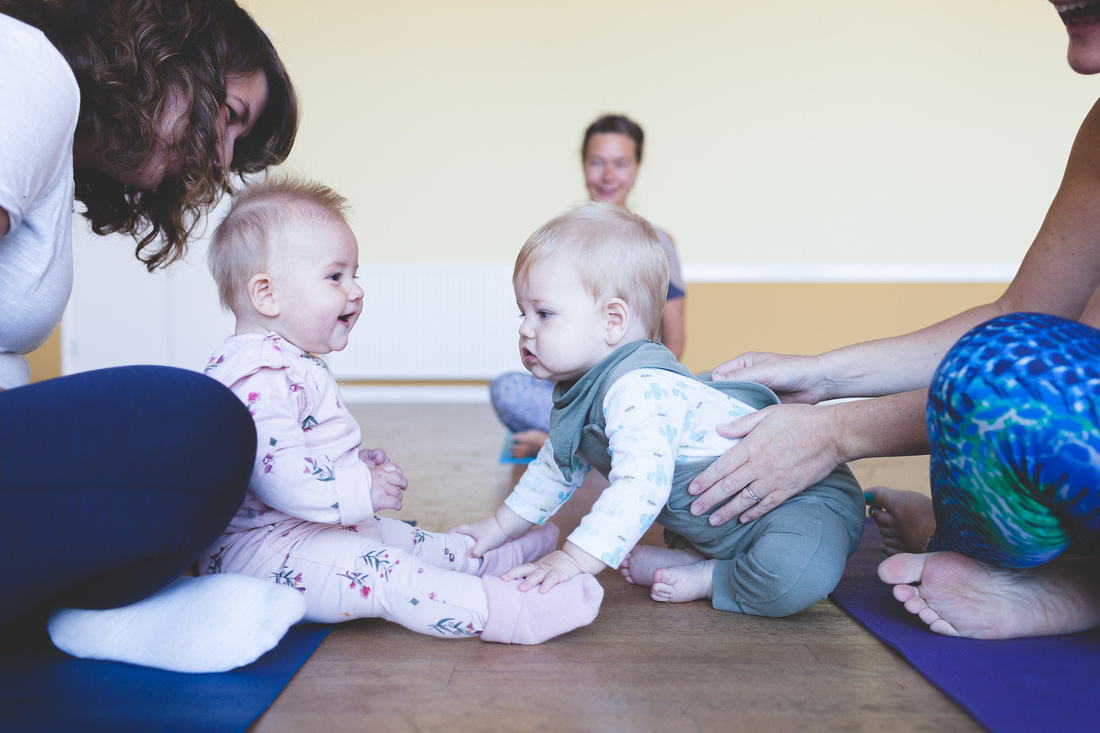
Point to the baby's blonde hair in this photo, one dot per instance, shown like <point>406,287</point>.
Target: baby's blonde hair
<point>617,255</point>
<point>260,215</point>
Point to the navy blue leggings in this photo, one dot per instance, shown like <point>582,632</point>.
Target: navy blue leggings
<point>113,481</point>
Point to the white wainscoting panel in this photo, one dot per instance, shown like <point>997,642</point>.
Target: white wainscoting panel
<point>421,322</point>
<point>433,322</point>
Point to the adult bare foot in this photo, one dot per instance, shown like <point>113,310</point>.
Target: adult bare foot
<point>956,595</point>
<point>527,443</point>
<point>684,583</point>
<point>644,560</point>
<point>904,519</point>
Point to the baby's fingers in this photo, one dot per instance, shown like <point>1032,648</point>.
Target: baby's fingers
<point>395,476</point>
<point>520,571</point>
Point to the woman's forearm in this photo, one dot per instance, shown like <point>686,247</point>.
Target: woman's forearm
<point>893,425</point>
<point>897,364</point>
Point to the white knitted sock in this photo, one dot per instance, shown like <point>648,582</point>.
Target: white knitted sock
<point>209,624</point>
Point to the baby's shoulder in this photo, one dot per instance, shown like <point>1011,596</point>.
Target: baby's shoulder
<point>246,355</point>
<point>648,379</point>
<point>668,388</point>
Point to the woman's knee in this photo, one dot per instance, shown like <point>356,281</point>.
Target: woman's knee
<point>180,432</point>
<point>1017,357</point>
<point>1009,409</point>
<point>208,435</point>
<point>521,401</point>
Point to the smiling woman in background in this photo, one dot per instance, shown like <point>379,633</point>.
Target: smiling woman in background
<point>611,154</point>
<point>115,480</point>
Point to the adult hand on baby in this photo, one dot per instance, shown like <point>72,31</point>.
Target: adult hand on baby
<point>557,567</point>
<point>792,378</point>
<point>487,534</point>
<point>373,456</point>
<point>784,449</point>
<point>387,483</point>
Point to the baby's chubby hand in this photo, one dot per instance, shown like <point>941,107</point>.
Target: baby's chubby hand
<point>373,456</point>
<point>387,483</point>
<point>557,567</point>
<point>487,534</point>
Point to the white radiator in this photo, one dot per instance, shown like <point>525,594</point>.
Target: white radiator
<point>432,322</point>
<point>420,321</point>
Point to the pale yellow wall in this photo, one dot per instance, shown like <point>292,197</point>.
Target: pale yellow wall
<point>847,130</point>
<point>842,131</point>
<point>724,320</point>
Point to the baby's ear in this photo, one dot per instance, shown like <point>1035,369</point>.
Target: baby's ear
<point>261,294</point>
<point>618,320</point>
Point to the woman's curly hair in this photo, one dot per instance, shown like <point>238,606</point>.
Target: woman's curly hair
<point>136,61</point>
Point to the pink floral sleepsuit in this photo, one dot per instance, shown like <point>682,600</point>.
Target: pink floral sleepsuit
<point>307,519</point>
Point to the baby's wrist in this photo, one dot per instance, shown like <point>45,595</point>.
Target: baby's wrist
<point>584,562</point>
<point>511,524</point>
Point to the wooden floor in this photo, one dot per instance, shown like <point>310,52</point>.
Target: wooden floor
<point>641,666</point>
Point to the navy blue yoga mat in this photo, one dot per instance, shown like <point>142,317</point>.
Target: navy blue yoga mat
<point>1047,683</point>
<point>43,689</point>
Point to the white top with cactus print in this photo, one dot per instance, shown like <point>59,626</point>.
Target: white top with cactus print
<point>654,419</point>
<point>307,456</point>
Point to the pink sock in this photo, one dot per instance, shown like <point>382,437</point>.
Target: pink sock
<point>516,617</point>
<point>536,543</point>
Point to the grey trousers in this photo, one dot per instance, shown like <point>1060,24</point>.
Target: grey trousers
<point>781,563</point>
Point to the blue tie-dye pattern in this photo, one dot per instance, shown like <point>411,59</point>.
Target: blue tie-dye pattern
<point>1013,426</point>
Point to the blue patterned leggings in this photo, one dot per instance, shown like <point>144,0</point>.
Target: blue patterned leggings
<point>1014,427</point>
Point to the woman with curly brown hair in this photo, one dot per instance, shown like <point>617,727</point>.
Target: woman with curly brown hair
<point>115,480</point>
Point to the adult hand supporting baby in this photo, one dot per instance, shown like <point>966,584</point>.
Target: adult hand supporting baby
<point>787,447</point>
<point>783,449</point>
<point>387,483</point>
<point>793,378</point>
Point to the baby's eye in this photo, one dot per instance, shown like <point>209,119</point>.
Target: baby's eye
<point>543,315</point>
<point>335,277</point>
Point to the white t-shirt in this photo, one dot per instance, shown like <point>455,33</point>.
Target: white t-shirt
<point>38,114</point>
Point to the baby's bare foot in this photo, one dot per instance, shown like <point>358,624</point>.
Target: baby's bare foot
<point>956,595</point>
<point>684,583</point>
<point>527,443</point>
<point>904,518</point>
<point>644,560</point>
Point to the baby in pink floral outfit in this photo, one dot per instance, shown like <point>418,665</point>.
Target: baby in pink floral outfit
<point>285,261</point>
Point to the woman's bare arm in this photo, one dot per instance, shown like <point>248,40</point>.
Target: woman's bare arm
<point>786,448</point>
